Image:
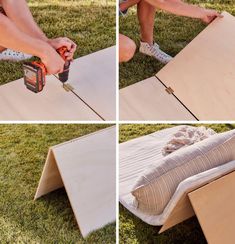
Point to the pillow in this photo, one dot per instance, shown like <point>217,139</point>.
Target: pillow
<point>157,184</point>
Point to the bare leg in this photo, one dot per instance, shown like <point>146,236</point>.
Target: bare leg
<point>146,16</point>
<point>127,48</point>
<point>15,39</point>
<point>125,5</point>
<point>2,49</point>
<point>18,12</point>
<point>2,12</point>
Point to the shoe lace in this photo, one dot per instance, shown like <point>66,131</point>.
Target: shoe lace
<point>13,53</point>
<point>155,49</point>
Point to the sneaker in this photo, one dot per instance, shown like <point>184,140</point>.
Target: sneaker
<point>12,55</point>
<point>155,51</point>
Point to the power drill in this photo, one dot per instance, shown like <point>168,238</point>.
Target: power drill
<point>35,73</point>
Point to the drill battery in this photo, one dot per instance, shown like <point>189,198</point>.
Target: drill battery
<point>34,76</point>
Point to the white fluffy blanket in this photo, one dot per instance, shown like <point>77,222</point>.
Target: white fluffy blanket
<point>186,136</point>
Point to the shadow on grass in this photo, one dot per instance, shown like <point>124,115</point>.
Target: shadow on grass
<point>133,230</point>
<point>50,218</point>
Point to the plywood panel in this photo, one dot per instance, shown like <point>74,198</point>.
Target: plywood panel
<point>87,169</point>
<point>182,211</point>
<point>202,75</point>
<point>51,179</point>
<point>215,209</point>
<point>94,79</point>
<point>53,103</point>
<point>148,100</point>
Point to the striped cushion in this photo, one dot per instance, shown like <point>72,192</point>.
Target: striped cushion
<point>157,184</point>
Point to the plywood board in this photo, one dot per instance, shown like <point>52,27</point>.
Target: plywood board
<point>53,103</point>
<point>182,211</point>
<point>202,75</point>
<point>183,208</point>
<point>93,78</point>
<point>51,178</point>
<point>215,209</point>
<point>148,100</point>
<point>86,167</point>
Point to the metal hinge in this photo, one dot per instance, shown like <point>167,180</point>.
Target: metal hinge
<point>169,90</point>
<point>68,87</point>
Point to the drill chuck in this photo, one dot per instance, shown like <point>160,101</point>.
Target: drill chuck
<point>64,76</point>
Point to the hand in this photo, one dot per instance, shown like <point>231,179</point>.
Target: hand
<point>53,61</point>
<point>64,41</point>
<point>209,15</point>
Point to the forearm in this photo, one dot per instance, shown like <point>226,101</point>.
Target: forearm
<point>178,7</point>
<point>19,13</point>
<point>11,37</point>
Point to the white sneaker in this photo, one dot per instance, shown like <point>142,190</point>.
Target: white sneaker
<point>12,55</point>
<point>155,51</point>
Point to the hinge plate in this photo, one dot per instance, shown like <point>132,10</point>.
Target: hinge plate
<point>169,90</point>
<point>68,87</point>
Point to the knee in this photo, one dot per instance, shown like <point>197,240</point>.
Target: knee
<point>127,48</point>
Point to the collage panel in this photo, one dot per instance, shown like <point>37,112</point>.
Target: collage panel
<point>58,60</point>
<point>176,183</point>
<point>57,183</point>
<point>176,63</point>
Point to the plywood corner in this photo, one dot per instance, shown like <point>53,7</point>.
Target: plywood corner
<point>215,209</point>
<point>50,178</point>
<point>182,211</point>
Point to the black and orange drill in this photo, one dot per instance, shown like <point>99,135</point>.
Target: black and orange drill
<point>35,73</point>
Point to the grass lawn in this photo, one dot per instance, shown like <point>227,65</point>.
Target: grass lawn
<point>90,23</point>
<point>171,32</point>
<point>132,230</point>
<point>50,219</point>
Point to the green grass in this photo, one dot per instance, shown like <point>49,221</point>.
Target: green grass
<point>131,229</point>
<point>173,33</point>
<point>90,23</point>
<point>50,219</point>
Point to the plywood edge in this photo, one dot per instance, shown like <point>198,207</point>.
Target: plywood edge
<point>50,179</point>
<point>83,137</point>
<point>182,211</point>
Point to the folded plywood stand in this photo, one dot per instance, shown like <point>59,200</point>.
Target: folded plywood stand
<point>86,168</point>
<point>198,84</point>
<point>93,82</point>
<point>213,204</point>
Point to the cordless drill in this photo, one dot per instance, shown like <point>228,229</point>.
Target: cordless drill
<point>35,73</point>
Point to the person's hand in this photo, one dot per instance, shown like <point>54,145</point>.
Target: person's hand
<point>64,42</point>
<point>208,15</point>
<point>53,61</point>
